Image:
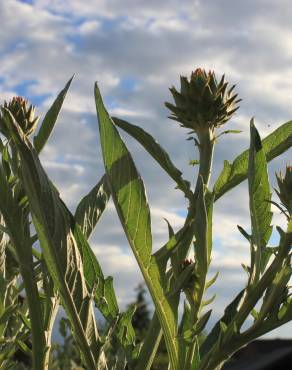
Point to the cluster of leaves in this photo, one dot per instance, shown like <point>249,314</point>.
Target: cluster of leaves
<point>44,248</point>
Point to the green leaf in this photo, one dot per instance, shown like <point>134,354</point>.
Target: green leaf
<point>50,119</point>
<point>126,186</point>
<point>170,229</point>
<point>156,151</point>
<point>273,145</point>
<point>125,331</point>
<point>91,207</point>
<point>201,324</point>
<point>128,193</point>
<point>259,199</point>
<point>244,233</point>
<point>212,281</point>
<point>59,247</point>
<point>177,242</point>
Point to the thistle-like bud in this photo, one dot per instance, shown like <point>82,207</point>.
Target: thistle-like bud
<point>23,113</point>
<point>285,188</point>
<point>203,102</point>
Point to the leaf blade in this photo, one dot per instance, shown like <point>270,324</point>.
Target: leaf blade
<point>259,199</point>
<point>273,145</point>
<point>50,119</point>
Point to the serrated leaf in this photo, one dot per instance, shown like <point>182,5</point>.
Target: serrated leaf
<point>156,151</point>
<point>50,119</point>
<point>273,145</point>
<point>91,207</point>
<point>259,198</point>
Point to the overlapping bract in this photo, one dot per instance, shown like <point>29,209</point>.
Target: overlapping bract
<point>203,102</point>
<point>23,113</point>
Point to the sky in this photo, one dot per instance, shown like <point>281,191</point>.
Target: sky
<point>136,50</point>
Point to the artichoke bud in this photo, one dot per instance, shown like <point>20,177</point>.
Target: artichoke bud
<point>23,113</point>
<point>203,102</point>
<point>285,188</point>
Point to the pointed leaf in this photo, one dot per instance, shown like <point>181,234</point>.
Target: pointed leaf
<point>50,119</point>
<point>273,145</point>
<point>126,186</point>
<point>259,198</point>
<point>128,193</point>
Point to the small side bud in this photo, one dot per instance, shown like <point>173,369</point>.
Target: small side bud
<point>285,189</point>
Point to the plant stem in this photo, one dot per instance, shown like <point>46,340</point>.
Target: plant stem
<point>206,148</point>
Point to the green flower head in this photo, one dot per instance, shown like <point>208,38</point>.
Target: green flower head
<point>203,102</point>
<point>23,113</point>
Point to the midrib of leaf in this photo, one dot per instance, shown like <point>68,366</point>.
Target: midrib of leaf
<point>140,240</point>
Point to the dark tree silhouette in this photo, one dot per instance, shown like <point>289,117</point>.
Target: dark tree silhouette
<point>141,317</point>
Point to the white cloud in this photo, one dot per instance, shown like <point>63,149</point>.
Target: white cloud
<point>89,27</point>
<point>153,43</point>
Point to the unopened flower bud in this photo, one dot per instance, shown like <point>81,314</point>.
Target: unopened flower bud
<point>23,113</point>
<point>203,102</point>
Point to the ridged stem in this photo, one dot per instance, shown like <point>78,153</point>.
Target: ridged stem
<point>206,149</point>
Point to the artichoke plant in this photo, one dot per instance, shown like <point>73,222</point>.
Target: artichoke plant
<point>203,102</point>
<point>23,113</point>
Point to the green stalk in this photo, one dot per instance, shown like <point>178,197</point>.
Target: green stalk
<point>19,234</point>
<point>35,314</point>
<point>206,149</point>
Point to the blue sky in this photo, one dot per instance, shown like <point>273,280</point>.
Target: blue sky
<point>136,50</point>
